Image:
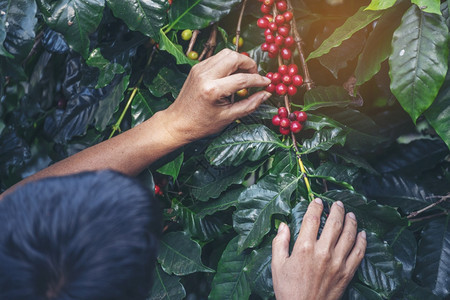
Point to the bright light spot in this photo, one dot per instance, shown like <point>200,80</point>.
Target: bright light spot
<point>402,52</point>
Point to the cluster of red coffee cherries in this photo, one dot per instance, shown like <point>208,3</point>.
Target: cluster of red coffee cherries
<point>285,81</point>
<point>277,30</point>
<point>289,123</point>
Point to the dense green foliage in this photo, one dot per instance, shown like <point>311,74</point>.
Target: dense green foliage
<point>67,68</point>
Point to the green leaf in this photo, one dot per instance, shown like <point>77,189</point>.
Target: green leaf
<point>180,255</point>
<point>172,168</point>
<point>107,69</point>
<point>211,182</point>
<point>336,173</point>
<point>404,246</point>
<point>284,162</point>
<point>201,228</point>
<point>412,291</point>
<point>429,6</point>
<point>258,203</point>
<point>17,24</point>
<point>378,46</point>
<point>145,105</point>
<point>75,19</point>
<point>243,143</point>
<point>175,50</point>
<point>168,80</point>
<point>326,96</point>
<point>146,16</point>
<point>230,281</point>
<point>358,21</point>
<point>196,14</point>
<point>109,105</point>
<point>323,140</point>
<point>356,160</point>
<point>378,269</point>
<point>165,286</point>
<point>418,63</point>
<point>259,272</point>
<point>358,291</point>
<point>370,215</point>
<point>439,112</point>
<point>433,257</point>
<point>380,4</point>
<point>228,199</point>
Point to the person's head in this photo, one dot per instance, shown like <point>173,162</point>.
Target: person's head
<point>87,236</point>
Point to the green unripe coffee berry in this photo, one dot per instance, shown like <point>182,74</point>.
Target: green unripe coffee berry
<point>186,34</point>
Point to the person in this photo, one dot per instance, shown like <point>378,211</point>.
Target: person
<point>316,268</point>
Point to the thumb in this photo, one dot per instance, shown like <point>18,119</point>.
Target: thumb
<point>247,106</point>
<point>280,245</point>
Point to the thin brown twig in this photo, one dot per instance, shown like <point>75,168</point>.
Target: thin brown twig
<point>195,34</point>
<point>210,45</point>
<point>443,213</point>
<point>298,40</point>
<point>415,213</point>
<point>37,41</point>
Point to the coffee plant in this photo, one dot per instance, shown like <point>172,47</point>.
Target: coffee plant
<point>374,98</point>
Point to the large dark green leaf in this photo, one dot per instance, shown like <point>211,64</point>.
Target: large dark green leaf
<point>166,287</point>
<point>370,215</point>
<point>358,291</point>
<point>284,162</point>
<point>353,24</point>
<point>439,112</point>
<point>326,96</point>
<point>180,255</point>
<point>13,151</point>
<point>211,182</point>
<point>258,203</point>
<point>17,22</point>
<point>107,69</point>
<point>433,257</point>
<point>146,16</point>
<point>230,281</point>
<point>145,105</point>
<point>168,80</point>
<point>173,167</point>
<point>323,140</point>
<point>259,272</point>
<point>412,291</point>
<point>418,63</point>
<point>197,14</point>
<point>378,269</point>
<point>199,227</point>
<point>404,246</point>
<point>336,173</point>
<point>176,50</point>
<point>244,143</point>
<point>356,160</point>
<point>429,6</point>
<point>378,46</point>
<point>225,201</point>
<point>75,19</point>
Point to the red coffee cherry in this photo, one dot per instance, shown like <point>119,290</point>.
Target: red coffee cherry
<point>267,32</point>
<point>265,9</point>
<point>286,53</point>
<point>296,127</point>
<point>270,39</point>
<point>276,120</point>
<point>276,78</point>
<point>292,117</point>
<point>279,40</point>
<point>292,90</point>
<point>271,88</point>
<point>284,131</point>
<point>284,122</point>
<point>269,17</point>
<point>283,30</point>
<point>292,70</point>
<point>286,79</point>
<point>262,23</point>
<point>282,112</point>
<point>279,20</point>
<point>265,47</point>
<point>269,75</point>
<point>273,26</point>
<point>245,53</point>
<point>297,80</point>
<point>281,89</point>
<point>283,69</point>
<point>288,16</point>
<point>289,41</point>
<point>302,116</point>
<point>273,49</point>
<point>269,2</point>
<point>281,6</point>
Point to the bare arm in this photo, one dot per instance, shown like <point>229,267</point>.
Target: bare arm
<point>199,110</point>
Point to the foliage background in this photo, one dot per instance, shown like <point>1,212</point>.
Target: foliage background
<point>68,68</point>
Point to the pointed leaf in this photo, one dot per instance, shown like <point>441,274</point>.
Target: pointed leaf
<point>429,6</point>
<point>180,255</point>
<point>358,21</point>
<point>176,50</point>
<point>259,272</point>
<point>257,205</point>
<point>336,173</point>
<point>358,291</point>
<point>413,291</point>
<point>196,14</point>
<point>165,286</point>
<point>380,4</point>
<point>418,63</point>
<point>404,246</point>
<point>227,200</point>
<point>75,19</point>
<point>146,16</point>
<point>204,229</point>
<point>356,160</point>
<point>145,105</point>
<point>378,269</point>
<point>326,96</point>
<point>323,140</point>
<point>168,80</point>
<point>172,168</point>
<point>243,143</point>
<point>107,69</point>
<point>433,257</point>
<point>230,281</point>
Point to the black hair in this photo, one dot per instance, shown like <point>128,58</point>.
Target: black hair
<point>87,236</point>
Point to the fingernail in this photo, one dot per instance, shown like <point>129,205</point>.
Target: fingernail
<point>352,215</point>
<point>267,80</point>
<point>267,95</point>
<point>282,227</point>
<point>318,201</point>
<point>363,234</point>
<point>340,204</point>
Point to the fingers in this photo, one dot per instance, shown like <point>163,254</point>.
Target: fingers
<point>310,226</point>
<point>333,227</point>
<point>357,253</point>
<point>348,237</point>
<point>247,106</point>
<point>230,84</point>
<point>280,245</point>
<point>227,62</point>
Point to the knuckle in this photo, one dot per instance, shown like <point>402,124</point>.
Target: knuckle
<point>311,220</point>
<point>208,89</point>
<point>324,255</point>
<point>335,223</point>
<point>306,247</point>
<point>349,236</point>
